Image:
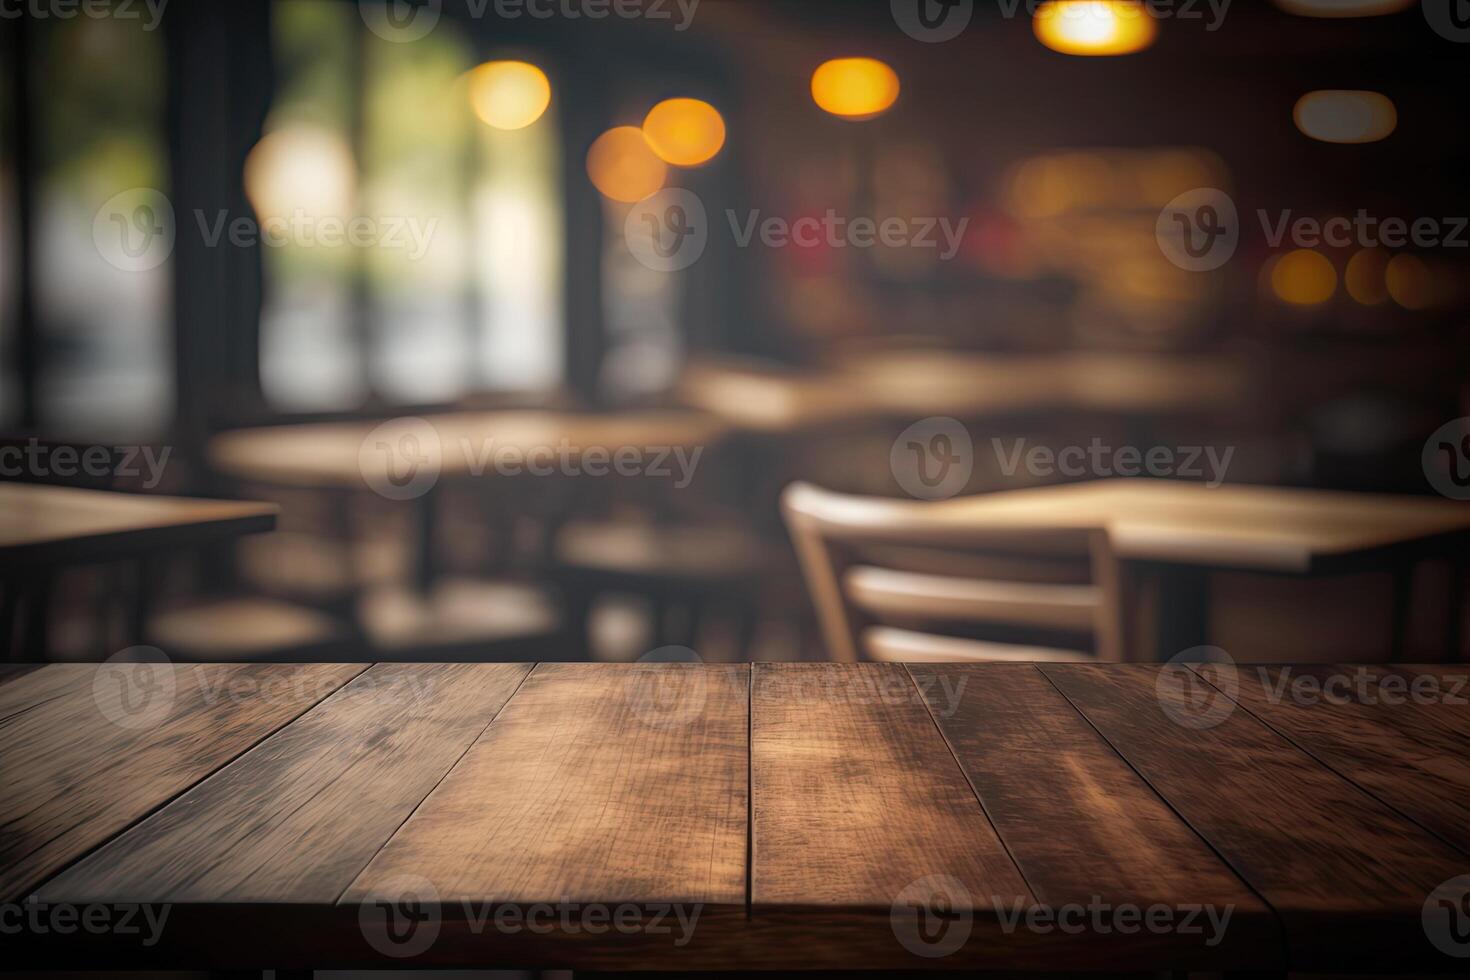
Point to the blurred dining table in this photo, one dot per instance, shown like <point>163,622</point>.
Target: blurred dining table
<point>406,458</point>
<point>914,383</point>
<point>1168,536</point>
<point>44,529</point>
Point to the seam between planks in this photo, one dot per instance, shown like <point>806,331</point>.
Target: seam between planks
<point>169,801</point>
<point>1282,934</point>
<point>453,766</point>
<point>974,790</point>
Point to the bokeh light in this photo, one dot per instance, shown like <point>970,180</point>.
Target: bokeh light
<point>685,132</point>
<point>1365,276</point>
<point>302,169</point>
<point>509,94</point>
<point>855,88</point>
<point>1094,27</point>
<point>1410,282</point>
<point>1345,116</point>
<point>1304,278</point>
<point>624,167</point>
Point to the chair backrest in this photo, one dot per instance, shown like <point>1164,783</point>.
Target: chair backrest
<point>876,566</point>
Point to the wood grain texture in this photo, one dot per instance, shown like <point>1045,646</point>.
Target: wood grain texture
<point>1348,875</point>
<point>55,525</point>
<point>1080,823</point>
<point>1444,698</point>
<point>296,819</point>
<point>1376,727</point>
<point>597,783</point>
<point>88,750</point>
<point>858,802</point>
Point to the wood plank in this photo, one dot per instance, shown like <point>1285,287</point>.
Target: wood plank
<point>861,816</point>
<point>97,747</point>
<point>1357,721</point>
<point>296,819</point>
<point>1348,875</point>
<point>1082,825</point>
<point>598,785</point>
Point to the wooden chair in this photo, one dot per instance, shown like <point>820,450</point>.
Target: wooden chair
<point>890,584</point>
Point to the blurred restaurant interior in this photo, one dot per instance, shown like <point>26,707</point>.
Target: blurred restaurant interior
<point>554,330</point>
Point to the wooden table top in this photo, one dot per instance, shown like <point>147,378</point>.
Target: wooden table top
<point>330,454</point>
<point>912,384</point>
<point>776,816</point>
<point>42,525</point>
<point>1230,526</point>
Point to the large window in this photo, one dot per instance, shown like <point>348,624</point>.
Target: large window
<point>103,337</point>
<point>454,284</point>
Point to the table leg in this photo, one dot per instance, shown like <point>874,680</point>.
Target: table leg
<point>426,515</point>
<point>1403,595</point>
<point>1182,609</point>
<point>1455,621</point>
<point>38,621</point>
<point>9,602</point>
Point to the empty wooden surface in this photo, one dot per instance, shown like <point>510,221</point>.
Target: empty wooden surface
<point>86,751</point>
<point>595,780</point>
<point>1376,727</point>
<point>298,818</point>
<point>1077,819</point>
<point>52,525</point>
<point>1327,856</point>
<point>818,816</point>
